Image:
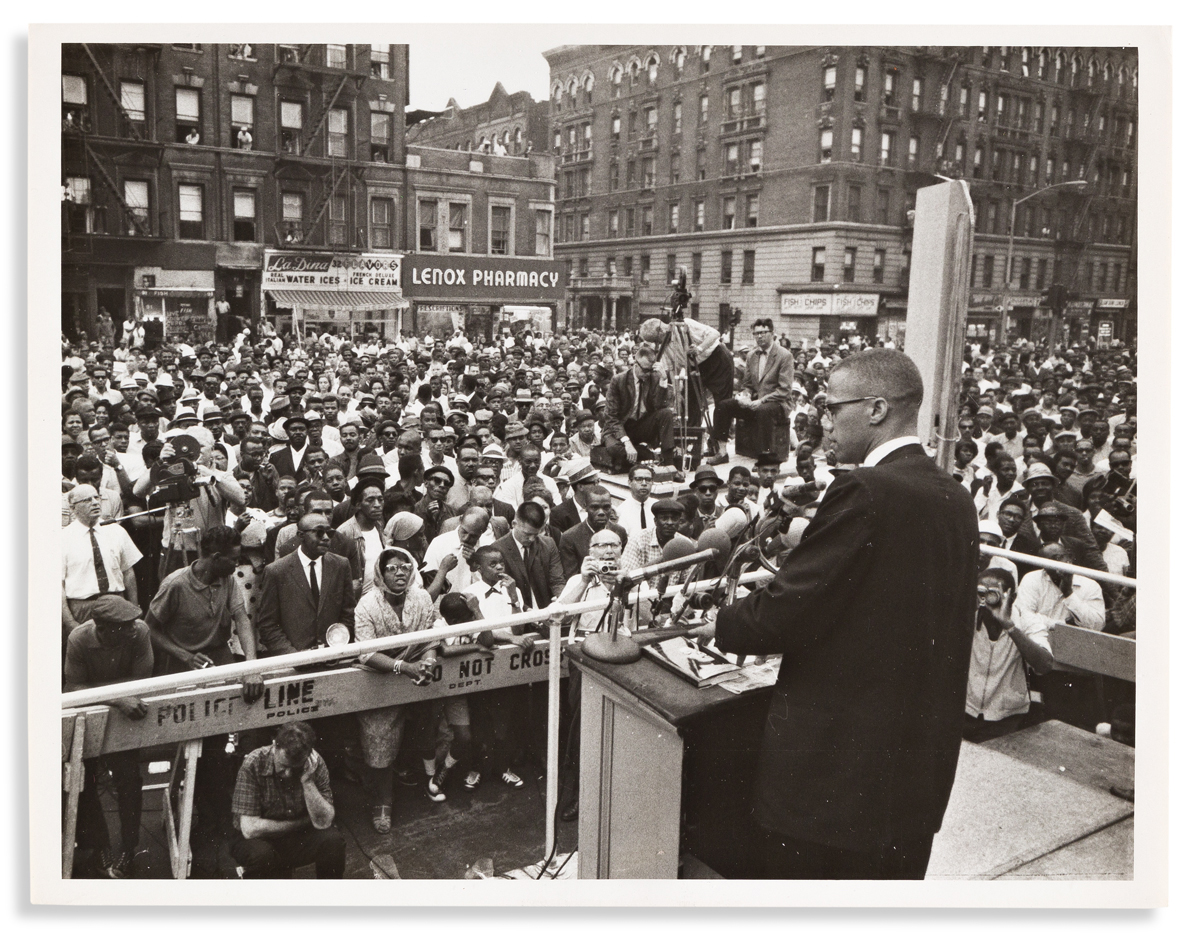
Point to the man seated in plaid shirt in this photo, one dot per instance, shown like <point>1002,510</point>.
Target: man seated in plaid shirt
<point>283,809</point>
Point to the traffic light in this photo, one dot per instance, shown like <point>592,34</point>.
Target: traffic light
<point>1055,297</point>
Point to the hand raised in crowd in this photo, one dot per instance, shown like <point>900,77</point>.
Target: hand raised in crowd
<point>130,707</point>
<point>252,688</point>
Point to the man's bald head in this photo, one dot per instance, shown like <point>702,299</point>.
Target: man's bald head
<point>1055,551</point>
<point>474,520</point>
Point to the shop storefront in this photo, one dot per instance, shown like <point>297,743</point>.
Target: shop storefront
<point>175,303</point>
<point>484,296</point>
<point>830,316</point>
<point>345,293</point>
<point>984,314</point>
<point>1077,321</point>
<point>1109,320</point>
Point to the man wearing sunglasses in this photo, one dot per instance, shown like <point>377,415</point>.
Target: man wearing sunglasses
<point>873,612</point>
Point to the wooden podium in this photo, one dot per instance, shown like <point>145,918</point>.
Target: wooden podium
<point>666,772</point>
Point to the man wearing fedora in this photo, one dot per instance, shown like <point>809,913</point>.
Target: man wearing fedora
<point>706,486</point>
<point>289,459</point>
<point>1054,522</point>
<point>579,475</point>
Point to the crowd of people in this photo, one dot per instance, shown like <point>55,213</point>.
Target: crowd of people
<point>249,499</point>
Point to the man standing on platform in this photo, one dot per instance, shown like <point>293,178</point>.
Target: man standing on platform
<point>874,614</point>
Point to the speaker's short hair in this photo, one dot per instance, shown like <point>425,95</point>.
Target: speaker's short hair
<point>889,374</point>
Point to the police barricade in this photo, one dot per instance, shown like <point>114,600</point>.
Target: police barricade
<point>187,707</point>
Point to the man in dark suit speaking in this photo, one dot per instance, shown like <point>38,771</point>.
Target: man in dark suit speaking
<point>873,612</point>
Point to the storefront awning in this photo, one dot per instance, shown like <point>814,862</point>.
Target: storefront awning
<point>336,300</point>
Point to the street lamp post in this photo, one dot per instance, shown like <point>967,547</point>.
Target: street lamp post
<point>1008,259</point>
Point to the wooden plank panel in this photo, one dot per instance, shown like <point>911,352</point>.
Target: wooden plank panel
<point>1097,652</point>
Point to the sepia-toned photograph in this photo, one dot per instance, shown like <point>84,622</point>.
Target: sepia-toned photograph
<point>696,462</point>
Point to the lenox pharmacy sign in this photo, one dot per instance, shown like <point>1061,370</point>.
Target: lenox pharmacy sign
<point>491,278</point>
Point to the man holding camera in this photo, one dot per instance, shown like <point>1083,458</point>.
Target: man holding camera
<point>1007,638</point>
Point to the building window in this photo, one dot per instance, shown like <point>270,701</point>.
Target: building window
<point>616,127</point>
<point>703,108</point>
<point>381,223</point>
<point>914,150</point>
<point>860,83</point>
<point>381,136</point>
<point>818,264</point>
<point>705,58</point>
<point>729,208</point>
<point>756,155</point>
<point>856,136</point>
<point>677,118</point>
<point>820,204</point>
<point>889,87</point>
<point>883,201</point>
<point>651,120</point>
<point>1041,274</point>
<point>647,220</point>
<point>241,120</point>
<point>886,145</point>
<point>726,267</point>
<point>568,222</point>
<point>427,225</point>
<point>1026,273</point>
<point>670,267</point>
<point>699,216</point>
<point>501,239</point>
<point>614,176</point>
<point>585,226</point>
<point>877,266</point>
<point>989,264</point>
<point>675,169</point>
<point>648,167</point>
<point>826,146</point>
<point>381,61</point>
<point>917,87</point>
<point>187,115</point>
<point>981,109</point>
<point>245,215</point>
<point>293,216</point>
<point>977,163</point>
<point>335,56</point>
<point>541,237</point>
<point>673,218</point>
<point>74,101</point>
<point>748,267</point>
<point>733,102</point>
<point>456,228</point>
<point>645,269</point>
<point>291,121</point>
<point>338,122</point>
<point>629,222</point>
<point>752,210</point>
<point>628,263</point>
<point>338,228</point>
<point>849,258</point>
<point>731,158</point>
<point>854,204</point>
<point>964,100</point>
<point>583,261</point>
<point>191,212</point>
<point>137,199</point>
<point>133,100</point>
<point>80,216</point>
<point>696,260</point>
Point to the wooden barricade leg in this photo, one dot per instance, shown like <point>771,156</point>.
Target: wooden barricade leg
<point>73,785</point>
<point>179,831</point>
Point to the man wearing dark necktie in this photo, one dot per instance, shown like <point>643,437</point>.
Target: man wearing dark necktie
<point>765,396</point>
<point>640,412</point>
<point>97,559</point>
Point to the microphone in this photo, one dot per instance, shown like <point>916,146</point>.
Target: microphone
<point>717,540</point>
<point>733,521</point>
<point>676,548</point>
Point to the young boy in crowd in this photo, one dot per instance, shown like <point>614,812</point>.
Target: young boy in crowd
<point>497,596</point>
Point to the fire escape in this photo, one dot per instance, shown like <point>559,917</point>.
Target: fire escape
<point>97,146</point>
<point>1083,146</point>
<point>310,154</point>
<point>938,112</point>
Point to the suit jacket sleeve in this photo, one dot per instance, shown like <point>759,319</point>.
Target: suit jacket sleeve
<point>805,598</point>
<point>569,553</point>
<point>267,622</point>
<point>557,580</point>
<point>616,422</point>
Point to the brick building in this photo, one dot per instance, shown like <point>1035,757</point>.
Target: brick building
<point>781,179</point>
<point>512,124</point>
<point>185,164</point>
